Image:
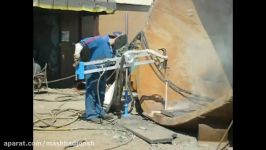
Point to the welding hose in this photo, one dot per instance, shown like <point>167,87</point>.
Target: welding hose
<point>61,79</point>
<point>54,113</point>
<point>131,96</point>
<point>119,82</point>
<point>142,38</point>
<point>98,90</point>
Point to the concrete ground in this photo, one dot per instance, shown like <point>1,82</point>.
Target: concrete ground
<point>107,135</point>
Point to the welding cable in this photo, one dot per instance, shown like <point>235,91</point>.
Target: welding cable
<point>66,94</point>
<point>119,82</point>
<point>121,144</point>
<point>131,95</point>
<point>74,119</point>
<point>98,91</point>
<point>70,95</point>
<point>142,39</point>
<point>81,141</point>
<point>110,76</point>
<point>72,129</point>
<point>57,99</point>
<point>56,126</point>
<point>61,79</point>
<point>47,118</point>
<point>177,89</point>
<point>54,113</point>
<point>82,128</point>
<point>126,131</point>
<point>173,86</point>
<point>118,90</point>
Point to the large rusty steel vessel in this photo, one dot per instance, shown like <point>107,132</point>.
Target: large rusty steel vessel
<point>194,85</point>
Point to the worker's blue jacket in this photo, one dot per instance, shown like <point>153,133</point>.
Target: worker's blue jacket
<point>99,47</point>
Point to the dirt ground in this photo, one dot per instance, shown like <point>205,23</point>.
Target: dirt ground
<point>93,136</point>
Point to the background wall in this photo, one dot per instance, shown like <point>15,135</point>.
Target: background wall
<point>137,15</point>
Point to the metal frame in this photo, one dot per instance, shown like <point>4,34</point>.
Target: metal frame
<point>130,56</point>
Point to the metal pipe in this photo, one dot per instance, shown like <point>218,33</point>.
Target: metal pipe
<point>126,24</point>
<point>126,78</point>
<point>166,87</point>
<point>149,51</point>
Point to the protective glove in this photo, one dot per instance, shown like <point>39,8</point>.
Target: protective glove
<point>78,49</point>
<point>76,61</point>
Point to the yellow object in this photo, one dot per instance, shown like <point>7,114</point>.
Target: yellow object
<point>77,5</point>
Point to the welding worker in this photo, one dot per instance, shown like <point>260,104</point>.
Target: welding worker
<point>100,47</point>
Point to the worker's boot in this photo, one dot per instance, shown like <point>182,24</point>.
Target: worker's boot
<point>107,117</point>
<point>95,120</point>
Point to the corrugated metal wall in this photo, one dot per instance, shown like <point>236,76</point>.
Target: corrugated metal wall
<point>46,39</point>
<point>59,54</point>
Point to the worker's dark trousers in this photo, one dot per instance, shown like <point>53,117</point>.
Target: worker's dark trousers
<point>93,108</point>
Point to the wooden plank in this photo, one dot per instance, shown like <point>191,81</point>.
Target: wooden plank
<point>148,131</point>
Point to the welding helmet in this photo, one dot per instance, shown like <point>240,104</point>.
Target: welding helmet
<point>120,41</point>
<point>115,34</point>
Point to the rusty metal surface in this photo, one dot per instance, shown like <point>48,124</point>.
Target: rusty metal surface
<point>193,64</point>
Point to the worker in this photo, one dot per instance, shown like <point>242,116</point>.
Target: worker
<point>100,47</point>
